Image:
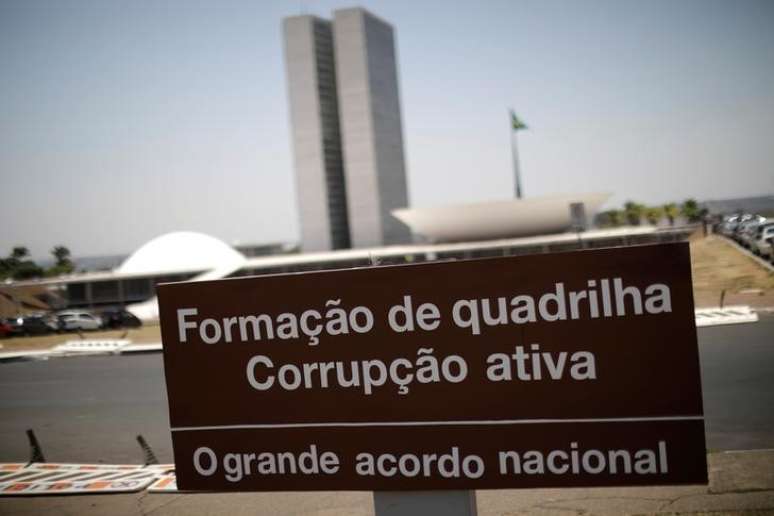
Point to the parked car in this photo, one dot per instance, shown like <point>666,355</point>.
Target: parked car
<point>729,224</point>
<point>5,329</point>
<point>749,234</point>
<point>52,322</point>
<point>29,325</point>
<point>119,318</point>
<point>741,234</point>
<point>767,248</point>
<point>72,320</point>
<point>762,232</point>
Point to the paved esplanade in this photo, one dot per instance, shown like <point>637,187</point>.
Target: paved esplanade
<point>90,409</point>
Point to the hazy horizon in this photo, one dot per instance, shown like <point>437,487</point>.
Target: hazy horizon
<point>123,121</point>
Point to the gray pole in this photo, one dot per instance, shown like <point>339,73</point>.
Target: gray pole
<point>515,152</point>
<point>425,503</point>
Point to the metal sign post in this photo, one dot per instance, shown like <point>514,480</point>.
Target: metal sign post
<point>425,503</point>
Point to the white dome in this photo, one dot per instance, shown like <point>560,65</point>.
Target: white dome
<point>181,251</point>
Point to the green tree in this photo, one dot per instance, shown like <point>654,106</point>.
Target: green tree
<point>653,214</point>
<point>671,211</point>
<point>5,268</point>
<point>633,212</point>
<point>62,255</point>
<point>690,210</point>
<point>614,217</point>
<point>16,265</point>
<point>63,263</point>
<point>19,253</point>
<point>27,269</point>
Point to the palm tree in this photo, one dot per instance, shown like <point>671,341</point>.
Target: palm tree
<point>62,255</point>
<point>615,217</point>
<point>671,211</point>
<point>19,266</point>
<point>17,256</point>
<point>654,214</point>
<point>63,263</point>
<point>633,212</point>
<point>19,253</point>
<point>690,210</point>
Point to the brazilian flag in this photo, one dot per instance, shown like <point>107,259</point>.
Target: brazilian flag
<point>517,124</point>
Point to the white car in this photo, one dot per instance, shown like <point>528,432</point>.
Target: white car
<point>72,320</point>
<point>744,229</point>
<point>729,224</point>
<point>762,232</point>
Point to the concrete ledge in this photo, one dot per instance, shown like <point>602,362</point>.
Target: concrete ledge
<point>141,348</point>
<point>12,356</point>
<point>76,348</point>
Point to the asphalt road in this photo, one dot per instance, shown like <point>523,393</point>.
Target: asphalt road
<point>90,409</point>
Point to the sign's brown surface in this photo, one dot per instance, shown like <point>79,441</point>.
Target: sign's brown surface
<point>570,369</point>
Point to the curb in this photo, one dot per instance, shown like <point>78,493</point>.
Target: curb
<point>82,349</point>
<point>766,265</point>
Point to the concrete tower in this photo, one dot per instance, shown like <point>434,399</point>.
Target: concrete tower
<point>314,117</point>
<point>347,134</point>
<point>369,107</point>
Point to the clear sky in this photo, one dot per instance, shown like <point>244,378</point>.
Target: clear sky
<point>123,120</point>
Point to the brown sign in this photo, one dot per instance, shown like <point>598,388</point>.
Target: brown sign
<point>569,369</point>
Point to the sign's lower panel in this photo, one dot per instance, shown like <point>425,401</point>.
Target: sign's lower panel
<point>466,456</point>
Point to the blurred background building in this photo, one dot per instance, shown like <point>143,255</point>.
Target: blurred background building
<point>351,187</point>
<point>347,134</point>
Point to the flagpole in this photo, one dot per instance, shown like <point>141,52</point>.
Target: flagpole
<point>515,153</point>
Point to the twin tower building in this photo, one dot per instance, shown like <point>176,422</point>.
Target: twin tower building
<point>346,126</point>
